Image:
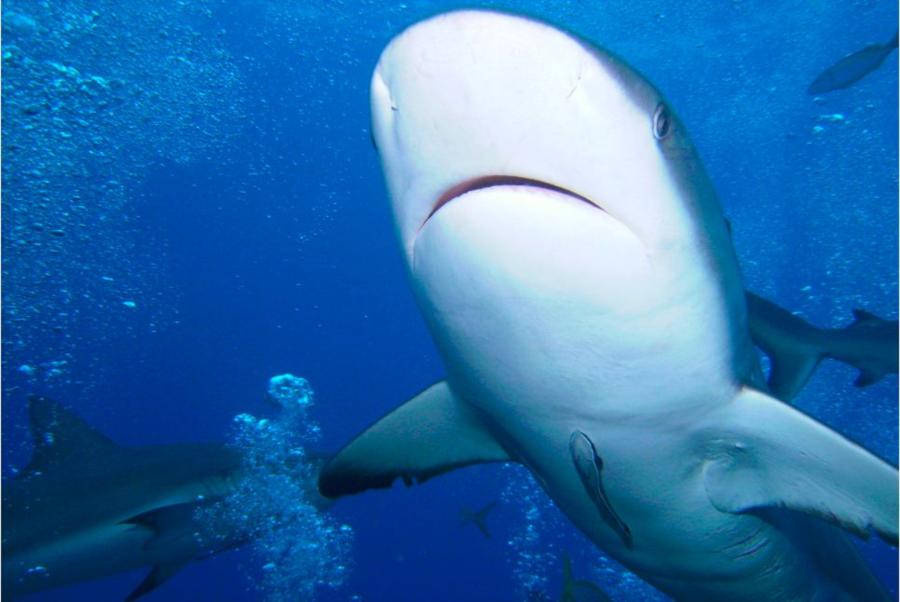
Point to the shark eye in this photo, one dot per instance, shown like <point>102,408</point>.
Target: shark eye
<point>662,122</point>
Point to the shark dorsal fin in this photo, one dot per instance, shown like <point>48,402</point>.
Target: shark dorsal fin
<point>60,435</point>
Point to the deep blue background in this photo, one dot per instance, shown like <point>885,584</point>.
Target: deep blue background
<point>227,185</point>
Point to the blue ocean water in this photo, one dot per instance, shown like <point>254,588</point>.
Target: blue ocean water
<point>192,205</point>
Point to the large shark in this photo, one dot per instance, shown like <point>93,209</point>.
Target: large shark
<point>572,263</point>
<point>86,507</point>
<point>796,347</point>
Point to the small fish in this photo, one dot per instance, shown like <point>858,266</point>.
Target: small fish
<point>852,67</point>
<point>478,517</point>
<point>589,466</point>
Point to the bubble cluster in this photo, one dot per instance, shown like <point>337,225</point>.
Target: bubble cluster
<point>533,556</point>
<point>94,95</point>
<point>296,549</point>
<point>538,541</point>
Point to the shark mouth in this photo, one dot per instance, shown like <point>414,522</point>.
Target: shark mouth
<point>483,182</point>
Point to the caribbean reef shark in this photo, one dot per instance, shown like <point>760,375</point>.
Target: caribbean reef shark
<point>852,67</point>
<point>574,268</point>
<point>796,347</point>
<point>86,507</point>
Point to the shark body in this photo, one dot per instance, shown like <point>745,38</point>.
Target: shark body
<point>86,507</point>
<point>573,266</point>
<point>852,67</point>
<point>796,347</point>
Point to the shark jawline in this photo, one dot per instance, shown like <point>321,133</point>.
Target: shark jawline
<point>482,182</point>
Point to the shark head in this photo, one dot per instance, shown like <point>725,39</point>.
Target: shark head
<point>473,99</point>
<point>505,138</point>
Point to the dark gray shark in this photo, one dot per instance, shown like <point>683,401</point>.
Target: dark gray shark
<point>795,347</point>
<point>86,507</point>
<point>478,517</point>
<point>852,67</point>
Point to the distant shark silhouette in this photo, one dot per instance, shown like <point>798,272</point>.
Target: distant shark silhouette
<point>85,507</point>
<point>478,518</point>
<point>852,67</point>
<point>579,590</point>
<point>796,347</point>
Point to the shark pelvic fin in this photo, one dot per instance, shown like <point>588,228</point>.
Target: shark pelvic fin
<point>158,575</point>
<point>430,434</point>
<point>588,465</point>
<point>60,436</point>
<point>765,454</point>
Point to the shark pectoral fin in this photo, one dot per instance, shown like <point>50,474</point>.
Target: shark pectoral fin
<point>588,465</point>
<point>156,577</point>
<point>764,453</point>
<point>168,522</point>
<point>428,435</point>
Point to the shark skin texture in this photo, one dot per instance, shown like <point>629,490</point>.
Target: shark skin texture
<point>572,263</point>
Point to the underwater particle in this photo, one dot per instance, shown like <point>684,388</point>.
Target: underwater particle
<point>832,117</point>
<point>27,369</point>
<point>19,22</point>
<point>818,129</point>
<point>39,570</point>
<point>129,304</point>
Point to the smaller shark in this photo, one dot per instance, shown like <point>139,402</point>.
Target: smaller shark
<point>478,518</point>
<point>86,507</point>
<point>579,590</point>
<point>795,347</point>
<point>852,67</point>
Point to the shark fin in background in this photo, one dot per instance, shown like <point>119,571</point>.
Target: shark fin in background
<point>428,435</point>
<point>580,590</point>
<point>60,436</point>
<point>867,377</point>
<point>479,518</point>
<point>766,454</point>
<point>861,316</point>
<point>158,575</point>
